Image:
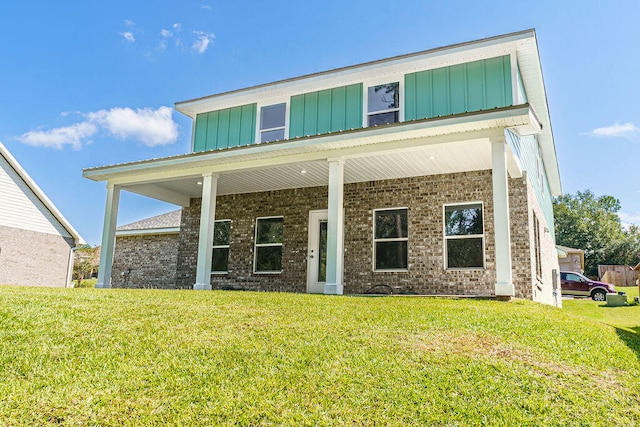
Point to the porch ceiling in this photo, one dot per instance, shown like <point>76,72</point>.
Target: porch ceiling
<point>440,146</point>
<point>432,160</point>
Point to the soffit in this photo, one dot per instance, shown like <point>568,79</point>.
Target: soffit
<point>432,160</point>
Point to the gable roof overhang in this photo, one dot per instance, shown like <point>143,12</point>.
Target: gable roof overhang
<point>523,45</point>
<point>48,204</point>
<point>440,145</point>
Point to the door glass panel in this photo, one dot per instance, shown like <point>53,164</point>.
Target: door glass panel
<point>322,252</point>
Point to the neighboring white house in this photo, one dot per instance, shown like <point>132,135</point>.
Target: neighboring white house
<point>428,173</point>
<point>36,241</point>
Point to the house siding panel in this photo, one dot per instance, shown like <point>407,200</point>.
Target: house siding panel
<point>21,208</point>
<point>527,152</point>
<point>229,127</point>
<point>329,110</point>
<point>473,86</point>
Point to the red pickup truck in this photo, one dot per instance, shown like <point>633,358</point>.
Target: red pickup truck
<point>576,284</point>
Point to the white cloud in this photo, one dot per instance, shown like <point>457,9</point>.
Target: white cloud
<point>202,42</point>
<point>164,34</point>
<point>149,126</point>
<point>627,219</point>
<point>72,135</point>
<point>177,26</point>
<point>128,36</point>
<point>146,125</point>
<point>617,130</point>
<point>129,23</point>
<point>206,7</point>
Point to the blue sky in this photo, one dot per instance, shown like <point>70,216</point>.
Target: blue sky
<point>89,83</point>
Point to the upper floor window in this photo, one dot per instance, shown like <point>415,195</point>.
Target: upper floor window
<point>273,122</point>
<point>383,104</point>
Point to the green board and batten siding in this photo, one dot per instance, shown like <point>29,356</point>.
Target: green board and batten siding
<point>230,127</point>
<point>329,110</point>
<point>472,86</point>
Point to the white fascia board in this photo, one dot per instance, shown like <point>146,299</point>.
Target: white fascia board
<point>148,231</point>
<point>533,81</point>
<point>385,137</point>
<point>395,66</point>
<point>4,152</point>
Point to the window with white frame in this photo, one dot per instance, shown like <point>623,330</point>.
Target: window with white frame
<point>273,122</point>
<point>268,245</point>
<point>464,236</point>
<point>220,255</point>
<point>390,239</point>
<point>383,104</point>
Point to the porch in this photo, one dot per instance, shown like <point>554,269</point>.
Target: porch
<point>393,154</point>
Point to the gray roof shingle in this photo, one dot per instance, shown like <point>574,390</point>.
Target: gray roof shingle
<point>167,220</point>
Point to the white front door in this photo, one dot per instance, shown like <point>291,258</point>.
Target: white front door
<point>317,252</point>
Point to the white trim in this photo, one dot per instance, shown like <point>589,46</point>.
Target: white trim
<point>335,228</point>
<point>48,204</point>
<point>148,231</point>
<point>399,239</point>
<point>515,93</point>
<point>108,236</point>
<point>256,244</point>
<point>466,236</point>
<point>205,234</point>
<point>501,221</point>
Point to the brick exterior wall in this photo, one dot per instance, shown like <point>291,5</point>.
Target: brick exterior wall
<point>424,198</point>
<point>543,287</point>
<point>33,259</point>
<point>145,261</point>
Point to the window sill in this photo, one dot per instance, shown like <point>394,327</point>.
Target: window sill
<point>393,270</point>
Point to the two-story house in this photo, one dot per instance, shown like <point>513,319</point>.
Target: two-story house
<point>428,173</point>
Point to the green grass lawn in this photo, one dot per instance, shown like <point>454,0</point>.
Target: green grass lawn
<point>625,318</point>
<point>152,357</point>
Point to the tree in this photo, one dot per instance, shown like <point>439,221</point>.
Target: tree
<point>589,222</point>
<point>86,262</point>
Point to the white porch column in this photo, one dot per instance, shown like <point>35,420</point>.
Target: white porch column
<point>504,284</point>
<point>205,240</point>
<point>335,228</point>
<point>108,236</point>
